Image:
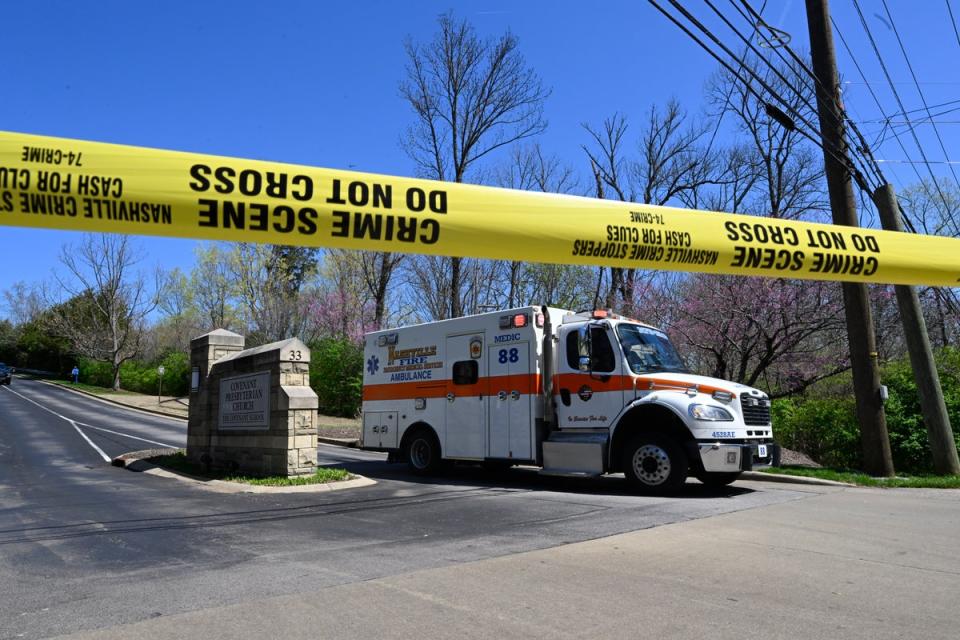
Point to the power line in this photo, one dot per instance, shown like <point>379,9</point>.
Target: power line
<point>939,82</point>
<point>933,106</point>
<point>873,94</point>
<point>947,162</point>
<point>896,95</point>
<point>923,98</point>
<point>854,171</point>
<point>953,21</point>
<point>890,119</point>
<point>891,124</point>
<point>838,111</point>
<point>922,121</point>
<point>836,107</point>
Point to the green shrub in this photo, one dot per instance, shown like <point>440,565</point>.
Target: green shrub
<point>825,429</point>
<point>336,375</point>
<point>95,372</point>
<point>825,426</point>
<point>139,376</point>
<point>908,433</point>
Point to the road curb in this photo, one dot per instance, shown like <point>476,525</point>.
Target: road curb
<point>137,461</point>
<point>783,478</point>
<point>352,443</point>
<point>114,402</point>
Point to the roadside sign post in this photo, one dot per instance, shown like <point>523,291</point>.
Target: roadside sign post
<point>160,371</point>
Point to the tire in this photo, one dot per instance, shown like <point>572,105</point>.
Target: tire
<point>718,478</point>
<point>654,464</point>
<point>423,453</point>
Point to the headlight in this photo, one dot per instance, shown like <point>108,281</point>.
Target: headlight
<point>709,413</point>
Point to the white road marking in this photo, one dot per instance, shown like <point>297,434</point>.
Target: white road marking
<point>74,424</point>
<point>127,435</point>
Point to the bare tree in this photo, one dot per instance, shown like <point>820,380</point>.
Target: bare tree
<point>672,162</point>
<point>934,209</point>
<point>339,306</point>
<point>378,268</point>
<point>269,280</point>
<point>107,306</point>
<point>470,97</point>
<point>180,321</point>
<point>24,302</point>
<point>529,169</point>
<point>214,287</point>
<point>791,172</point>
<point>781,332</point>
<point>429,284</point>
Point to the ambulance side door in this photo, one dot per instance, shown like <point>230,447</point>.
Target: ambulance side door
<point>590,399</point>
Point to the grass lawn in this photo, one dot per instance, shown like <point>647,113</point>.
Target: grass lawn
<point>864,480</point>
<point>89,388</point>
<point>179,462</point>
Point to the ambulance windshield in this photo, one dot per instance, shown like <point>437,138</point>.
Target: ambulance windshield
<point>648,350</point>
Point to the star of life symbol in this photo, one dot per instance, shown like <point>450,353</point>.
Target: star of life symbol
<point>373,365</point>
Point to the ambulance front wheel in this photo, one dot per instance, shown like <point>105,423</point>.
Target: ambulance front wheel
<point>423,452</point>
<point>654,463</point>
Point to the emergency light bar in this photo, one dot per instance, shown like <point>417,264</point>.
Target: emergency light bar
<point>518,321</point>
<point>384,340</point>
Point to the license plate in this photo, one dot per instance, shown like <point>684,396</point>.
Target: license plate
<point>762,450</point>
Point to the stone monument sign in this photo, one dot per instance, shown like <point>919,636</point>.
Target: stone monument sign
<point>252,410</point>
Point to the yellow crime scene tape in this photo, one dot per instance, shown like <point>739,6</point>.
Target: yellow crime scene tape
<point>57,183</point>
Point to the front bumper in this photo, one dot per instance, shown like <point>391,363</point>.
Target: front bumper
<point>733,457</point>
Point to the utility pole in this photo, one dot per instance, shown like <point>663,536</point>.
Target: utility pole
<point>939,433</point>
<point>856,302</point>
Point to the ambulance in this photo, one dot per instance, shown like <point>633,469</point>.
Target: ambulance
<point>575,394</point>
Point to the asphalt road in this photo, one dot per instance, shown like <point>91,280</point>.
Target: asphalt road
<point>96,551</point>
<point>88,546</point>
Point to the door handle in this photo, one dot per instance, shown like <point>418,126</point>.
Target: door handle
<point>502,395</point>
<point>376,429</point>
<point>515,395</point>
<point>450,397</point>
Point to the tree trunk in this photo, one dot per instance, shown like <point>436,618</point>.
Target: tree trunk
<point>380,299</point>
<point>456,310</point>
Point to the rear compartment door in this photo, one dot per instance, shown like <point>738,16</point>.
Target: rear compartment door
<point>466,407</point>
<point>380,429</point>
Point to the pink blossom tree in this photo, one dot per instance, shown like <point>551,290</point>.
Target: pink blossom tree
<point>781,334</point>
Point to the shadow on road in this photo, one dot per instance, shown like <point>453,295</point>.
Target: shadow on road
<point>524,479</point>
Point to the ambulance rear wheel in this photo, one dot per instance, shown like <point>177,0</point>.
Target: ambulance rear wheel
<point>423,453</point>
<point>653,463</point>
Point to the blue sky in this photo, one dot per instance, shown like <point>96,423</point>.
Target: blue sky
<point>316,82</point>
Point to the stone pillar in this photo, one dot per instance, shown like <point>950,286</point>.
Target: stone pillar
<point>256,412</point>
<point>204,351</point>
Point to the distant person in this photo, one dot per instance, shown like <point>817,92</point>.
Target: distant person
<point>76,374</point>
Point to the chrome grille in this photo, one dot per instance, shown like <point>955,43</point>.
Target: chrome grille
<point>756,411</point>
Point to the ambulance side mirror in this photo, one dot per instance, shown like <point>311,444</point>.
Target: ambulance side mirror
<point>585,361</point>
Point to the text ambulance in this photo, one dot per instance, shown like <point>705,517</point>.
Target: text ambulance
<point>574,393</point>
